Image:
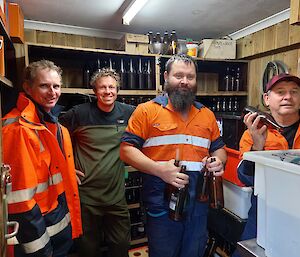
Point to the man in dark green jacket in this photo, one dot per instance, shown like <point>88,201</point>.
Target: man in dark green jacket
<point>96,129</point>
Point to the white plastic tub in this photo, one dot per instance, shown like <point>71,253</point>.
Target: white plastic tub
<point>237,199</point>
<point>277,186</point>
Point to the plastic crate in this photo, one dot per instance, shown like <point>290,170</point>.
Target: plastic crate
<point>237,199</point>
<point>233,160</point>
<point>276,184</point>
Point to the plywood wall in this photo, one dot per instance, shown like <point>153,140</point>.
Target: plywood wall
<point>279,42</point>
<point>63,39</point>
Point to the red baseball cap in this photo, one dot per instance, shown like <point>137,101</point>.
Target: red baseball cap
<point>281,77</point>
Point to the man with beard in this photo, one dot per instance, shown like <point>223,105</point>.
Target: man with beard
<point>157,130</point>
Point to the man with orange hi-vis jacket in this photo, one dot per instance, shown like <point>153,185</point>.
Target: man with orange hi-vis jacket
<point>44,198</point>
<point>154,133</point>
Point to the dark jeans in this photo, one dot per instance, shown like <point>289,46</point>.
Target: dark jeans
<point>168,238</point>
<point>111,221</point>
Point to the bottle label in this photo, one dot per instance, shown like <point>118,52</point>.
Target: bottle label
<point>172,204</point>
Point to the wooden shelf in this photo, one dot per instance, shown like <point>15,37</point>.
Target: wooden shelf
<point>223,93</point>
<point>6,82</point>
<point>88,49</point>
<point>82,91</point>
<point>139,241</point>
<point>87,91</point>
<point>134,205</point>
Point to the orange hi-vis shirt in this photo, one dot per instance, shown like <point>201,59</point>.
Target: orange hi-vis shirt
<point>159,131</point>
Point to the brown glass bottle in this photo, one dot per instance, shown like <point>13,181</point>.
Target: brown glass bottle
<point>216,197</point>
<point>177,200</point>
<point>265,118</point>
<point>203,190</point>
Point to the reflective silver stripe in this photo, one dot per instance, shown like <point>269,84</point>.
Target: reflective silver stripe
<point>27,194</point>
<point>9,121</point>
<point>60,226</point>
<point>42,148</point>
<point>190,166</point>
<point>177,139</point>
<point>37,244</point>
<point>51,231</point>
<point>32,246</point>
<point>53,180</point>
<point>20,195</point>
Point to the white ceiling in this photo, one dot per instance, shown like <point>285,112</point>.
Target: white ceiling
<point>194,19</point>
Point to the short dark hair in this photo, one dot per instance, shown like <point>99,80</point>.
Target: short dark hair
<point>105,72</point>
<point>180,58</point>
<point>30,71</point>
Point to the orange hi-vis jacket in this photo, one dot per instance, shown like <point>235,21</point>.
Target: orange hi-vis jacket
<point>159,131</point>
<point>274,141</point>
<point>42,174</point>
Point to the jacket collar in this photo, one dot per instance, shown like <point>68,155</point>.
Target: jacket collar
<point>163,100</point>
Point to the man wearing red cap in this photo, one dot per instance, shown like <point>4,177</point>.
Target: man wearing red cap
<point>282,96</point>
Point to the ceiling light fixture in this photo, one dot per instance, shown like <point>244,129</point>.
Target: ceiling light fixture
<point>134,7</point>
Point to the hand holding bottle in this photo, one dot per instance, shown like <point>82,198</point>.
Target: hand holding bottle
<point>170,173</point>
<point>257,131</point>
<point>214,164</point>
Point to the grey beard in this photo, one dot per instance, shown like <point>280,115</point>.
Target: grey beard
<point>181,100</point>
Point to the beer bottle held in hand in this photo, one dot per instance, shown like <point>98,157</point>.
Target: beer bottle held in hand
<point>216,197</point>
<point>203,194</point>
<point>265,118</point>
<point>177,200</point>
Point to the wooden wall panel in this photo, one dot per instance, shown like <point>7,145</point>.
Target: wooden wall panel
<point>294,34</point>
<point>88,42</point>
<point>295,12</point>
<point>73,40</point>
<point>258,42</point>
<point>269,39</point>
<point>44,37</point>
<point>282,34</point>
<point>59,39</point>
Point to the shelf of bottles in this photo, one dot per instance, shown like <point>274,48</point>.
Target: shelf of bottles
<point>137,72</point>
<point>217,77</point>
<point>133,187</point>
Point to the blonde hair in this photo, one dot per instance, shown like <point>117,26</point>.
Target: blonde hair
<point>105,72</point>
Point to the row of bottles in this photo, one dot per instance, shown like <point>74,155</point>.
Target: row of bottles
<point>134,100</point>
<point>134,180</point>
<point>134,73</point>
<point>132,195</point>
<point>232,80</point>
<point>224,104</point>
<point>170,42</point>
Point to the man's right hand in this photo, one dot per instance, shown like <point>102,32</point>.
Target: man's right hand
<point>171,174</point>
<point>79,174</point>
<point>258,135</point>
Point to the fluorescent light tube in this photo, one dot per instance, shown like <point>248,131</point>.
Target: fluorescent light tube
<point>132,10</point>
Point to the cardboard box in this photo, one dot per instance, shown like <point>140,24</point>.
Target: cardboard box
<point>276,184</point>
<point>217,49</point>
<point>2,62</point>
<point>16,23</point>
<point>134,43</point>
